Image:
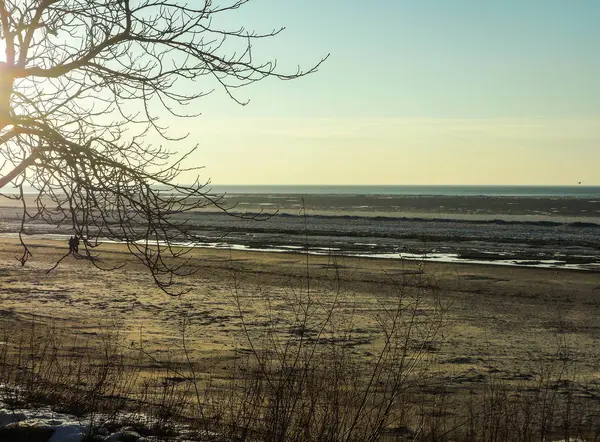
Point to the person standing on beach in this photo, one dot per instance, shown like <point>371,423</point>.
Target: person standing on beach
<point>74,244</point>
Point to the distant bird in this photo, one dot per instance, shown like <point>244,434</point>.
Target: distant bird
<point>579,182</point>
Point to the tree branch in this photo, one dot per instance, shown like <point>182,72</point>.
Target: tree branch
<point>18,169</point>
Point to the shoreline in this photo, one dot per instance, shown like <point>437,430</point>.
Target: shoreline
<point>482,259</point>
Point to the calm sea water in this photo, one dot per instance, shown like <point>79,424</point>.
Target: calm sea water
<point>579,191</point>
<point>541,226</point>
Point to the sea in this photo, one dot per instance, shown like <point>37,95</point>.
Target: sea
<point>532,226</point>
<point>414,190</point>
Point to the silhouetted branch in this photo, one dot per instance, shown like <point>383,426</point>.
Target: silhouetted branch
<point>82,92</point>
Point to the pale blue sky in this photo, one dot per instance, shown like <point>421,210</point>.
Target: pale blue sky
<point>439,80</point>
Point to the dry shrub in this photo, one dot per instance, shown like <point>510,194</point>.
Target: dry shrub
<point>303,373</point>
<point>308,376</point>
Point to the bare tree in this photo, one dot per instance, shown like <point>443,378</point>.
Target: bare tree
<point>83,88</point>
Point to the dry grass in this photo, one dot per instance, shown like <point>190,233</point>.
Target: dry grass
<point>302,370</point>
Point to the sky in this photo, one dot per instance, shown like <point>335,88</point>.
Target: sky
<point>413,92</point>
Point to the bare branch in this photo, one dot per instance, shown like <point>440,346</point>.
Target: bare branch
<point>83,95</point>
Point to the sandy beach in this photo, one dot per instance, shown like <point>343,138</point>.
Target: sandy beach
<point>500,320</point>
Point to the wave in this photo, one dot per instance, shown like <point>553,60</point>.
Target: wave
<point>495,221</point>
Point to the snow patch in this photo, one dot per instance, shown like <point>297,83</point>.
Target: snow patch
<point>66,428</point>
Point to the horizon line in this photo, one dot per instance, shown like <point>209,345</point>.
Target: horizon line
<point>409,185</point>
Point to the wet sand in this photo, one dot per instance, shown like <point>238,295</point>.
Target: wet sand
<point>500,320</point>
